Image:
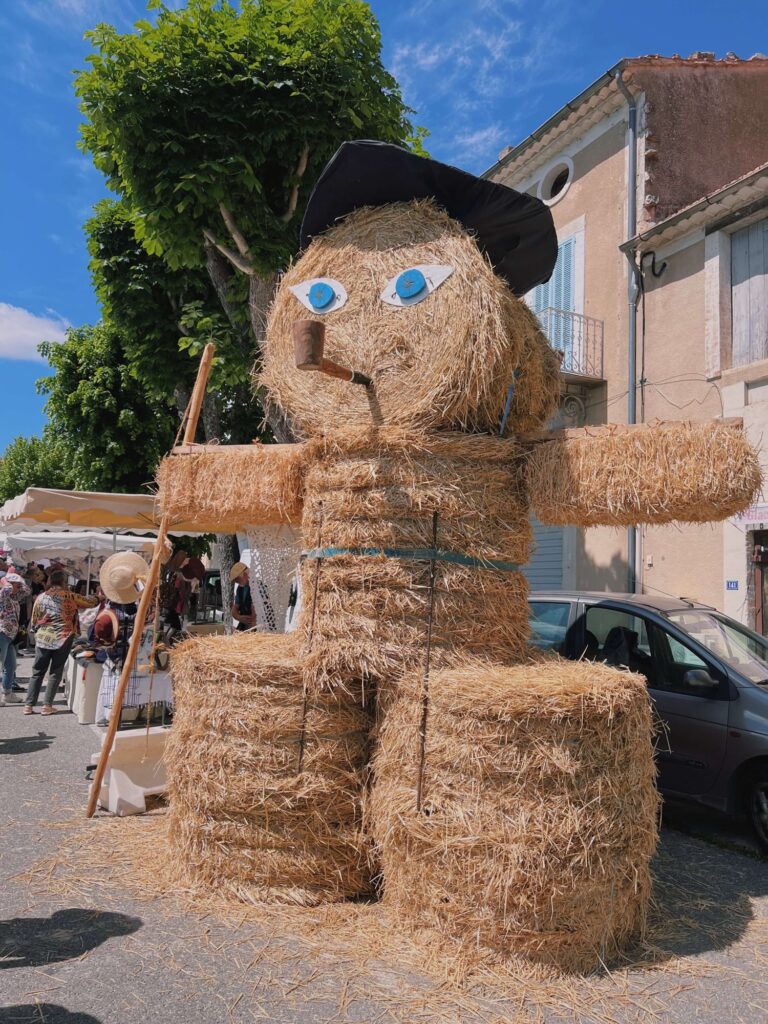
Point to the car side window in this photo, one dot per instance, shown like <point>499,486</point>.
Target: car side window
<point>549,623</point>
<point>677,668</point>
<point>618,638</point>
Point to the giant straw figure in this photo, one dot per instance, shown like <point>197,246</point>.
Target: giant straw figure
<point>407,729</point>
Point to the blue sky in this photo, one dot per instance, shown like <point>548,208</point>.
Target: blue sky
<point>481,75</point>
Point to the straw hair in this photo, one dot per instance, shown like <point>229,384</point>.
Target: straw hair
<point>232,488</point>
<point>243,818</point>
<point>443,363</point>
<point>366,615</point>
<point>539,808</point>
<point>687,472</point>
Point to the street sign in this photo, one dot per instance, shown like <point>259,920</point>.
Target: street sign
<point>731,584</point>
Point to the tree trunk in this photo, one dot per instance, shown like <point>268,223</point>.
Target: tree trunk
<point>228,552</point>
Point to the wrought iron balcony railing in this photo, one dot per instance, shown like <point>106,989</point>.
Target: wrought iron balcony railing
<point>578,337</point>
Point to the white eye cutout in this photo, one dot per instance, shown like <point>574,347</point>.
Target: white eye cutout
<point>415,284</point>
<point>320,295</point>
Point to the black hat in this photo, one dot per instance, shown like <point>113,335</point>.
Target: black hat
<point>513,229</point>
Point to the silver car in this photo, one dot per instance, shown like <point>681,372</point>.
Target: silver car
<point>707,676</point>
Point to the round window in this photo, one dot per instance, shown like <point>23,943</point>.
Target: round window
<point>556,181</point>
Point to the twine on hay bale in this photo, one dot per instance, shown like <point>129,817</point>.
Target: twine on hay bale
<point>242,818</point>
<point>444,363</point>
<point>379,489</point>
<point>539,809</point>
<point>686,472</point>
<point>233,487</point>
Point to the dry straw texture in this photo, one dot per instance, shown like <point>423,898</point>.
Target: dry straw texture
<point>539,811</point>
<point>691,472</point>
<point>232,488</point>
<point>367,615</point>
<point>443,363</point>
<point>242,817</point>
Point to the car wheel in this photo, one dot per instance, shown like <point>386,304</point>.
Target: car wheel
<point>758,806</point>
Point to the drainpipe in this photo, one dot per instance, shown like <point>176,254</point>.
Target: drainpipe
<point>632,293</point>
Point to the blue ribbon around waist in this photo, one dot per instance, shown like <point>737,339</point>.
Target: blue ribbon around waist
<point>415,555</point>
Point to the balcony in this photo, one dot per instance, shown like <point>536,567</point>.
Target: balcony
<point>579,338</point>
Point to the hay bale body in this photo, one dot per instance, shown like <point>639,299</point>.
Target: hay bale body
<point>229,489</point>
<point>686,472</point>
<point>539,808</point>
<point>444,363</point>
<point>242,818</point>
<point>366,616</point>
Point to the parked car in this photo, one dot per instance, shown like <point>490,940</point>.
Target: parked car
<point>708,679</point>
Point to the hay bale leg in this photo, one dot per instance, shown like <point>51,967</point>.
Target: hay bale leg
<point>243,818</point>
<point>539,808</point>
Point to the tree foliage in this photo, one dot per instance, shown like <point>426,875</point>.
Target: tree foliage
<point>34,462</point>
<point>165,318</point>
<point>238,107</point>
<point>111,427</point>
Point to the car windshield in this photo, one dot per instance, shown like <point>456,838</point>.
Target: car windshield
<point>739,647</point>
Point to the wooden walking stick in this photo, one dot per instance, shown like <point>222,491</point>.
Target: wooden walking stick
<point>150,584</point>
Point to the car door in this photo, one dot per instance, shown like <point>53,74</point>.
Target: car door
<point>690,745</point>
<point>695,722</point>
<point>549,620</point>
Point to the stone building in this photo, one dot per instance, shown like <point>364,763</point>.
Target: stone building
<point>657,177</point>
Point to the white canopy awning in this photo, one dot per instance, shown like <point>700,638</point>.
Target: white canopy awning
<point>42,508</point>
<point>36,545</point>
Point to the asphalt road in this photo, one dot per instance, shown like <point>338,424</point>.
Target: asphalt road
<point>110,959</point>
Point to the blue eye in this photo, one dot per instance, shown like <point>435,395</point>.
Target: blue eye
<point>320,294</point>
<point>410,283</point>
<point>415,284</point>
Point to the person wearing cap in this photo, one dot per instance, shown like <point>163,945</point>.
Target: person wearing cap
<point>242,605</point>
<point>12,590</point>
<point>54,619</point>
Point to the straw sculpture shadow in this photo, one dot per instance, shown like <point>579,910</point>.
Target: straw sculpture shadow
<point>702,899</point>
<point>36,941</point>
<point>51,1013</point>
<point>26,744</point>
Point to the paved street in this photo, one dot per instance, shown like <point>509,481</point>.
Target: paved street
<point>105,956</point>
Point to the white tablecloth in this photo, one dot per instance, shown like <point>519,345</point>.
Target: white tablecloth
<point>142,689</point>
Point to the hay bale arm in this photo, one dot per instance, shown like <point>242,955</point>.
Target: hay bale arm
<point>622,476</point>
<point>224,488</point>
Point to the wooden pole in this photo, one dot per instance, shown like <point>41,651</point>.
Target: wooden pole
<point>198,392</point>
<point>130,661</point>
<point>195,405</point>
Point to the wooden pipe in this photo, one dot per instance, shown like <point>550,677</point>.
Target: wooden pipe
<point>308,347</point>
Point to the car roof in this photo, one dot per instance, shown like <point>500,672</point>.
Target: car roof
<point>659,603</point>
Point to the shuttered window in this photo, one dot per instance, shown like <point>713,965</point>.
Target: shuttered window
<point>558,293</point>
<point>749,293</point>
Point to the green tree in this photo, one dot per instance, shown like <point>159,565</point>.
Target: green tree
<point>111,428</point>
<point>33,462</point>
<point>165,317</point>
<point>214,122</point>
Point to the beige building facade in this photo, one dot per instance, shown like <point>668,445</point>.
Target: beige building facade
<point>657,178</point>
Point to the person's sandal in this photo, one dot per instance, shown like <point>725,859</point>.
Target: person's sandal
<point>28,709</point>
<point>48,709</point>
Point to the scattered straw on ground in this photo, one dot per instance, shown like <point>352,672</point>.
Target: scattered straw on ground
<point>356,955</point>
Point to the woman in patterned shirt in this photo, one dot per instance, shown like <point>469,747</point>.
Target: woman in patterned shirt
<point>54,619</point>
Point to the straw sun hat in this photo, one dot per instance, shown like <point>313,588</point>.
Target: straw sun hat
<point>236,570</point>
<point>119,575</point>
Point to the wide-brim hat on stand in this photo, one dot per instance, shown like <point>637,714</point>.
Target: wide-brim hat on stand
<point>120,576</point>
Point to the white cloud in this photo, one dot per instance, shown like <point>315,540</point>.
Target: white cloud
<point>21,331</point>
